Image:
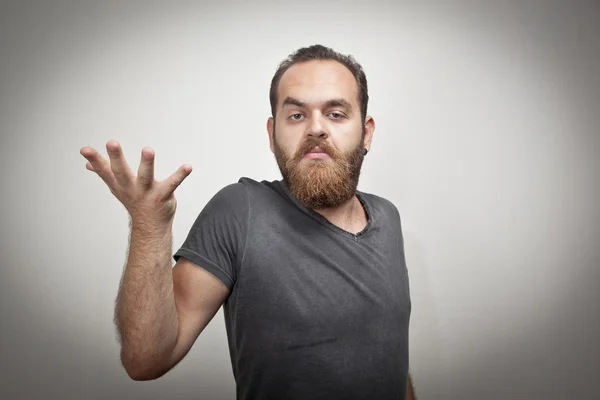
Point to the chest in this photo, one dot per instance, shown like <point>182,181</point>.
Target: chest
<point>311,284</point>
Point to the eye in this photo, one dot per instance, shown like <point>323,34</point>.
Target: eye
<point>296,117</point>
<point>337,115</point>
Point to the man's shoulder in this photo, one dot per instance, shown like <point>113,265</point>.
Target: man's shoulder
<point>247,184</point>
<point>254,184</point>
<point>256,188</point>
<point>381,203</point>
<point>247,189</point>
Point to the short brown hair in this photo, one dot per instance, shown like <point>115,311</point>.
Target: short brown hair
<point>319,52</point>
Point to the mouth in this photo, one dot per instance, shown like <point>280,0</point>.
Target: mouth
<point>316,153</point>
<point>316,149</point>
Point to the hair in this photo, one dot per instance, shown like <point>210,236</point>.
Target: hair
<point>319,52</point>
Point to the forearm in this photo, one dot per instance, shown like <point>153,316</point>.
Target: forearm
<point>145,312</point>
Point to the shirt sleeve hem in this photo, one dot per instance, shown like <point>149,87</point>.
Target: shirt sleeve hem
<point>205,263</point>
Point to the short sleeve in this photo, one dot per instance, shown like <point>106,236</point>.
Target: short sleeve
<point>217,239</point>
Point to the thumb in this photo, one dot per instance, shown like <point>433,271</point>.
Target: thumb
<point>173,181</point>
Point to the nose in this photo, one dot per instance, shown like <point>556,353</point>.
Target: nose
<point>316,129</point>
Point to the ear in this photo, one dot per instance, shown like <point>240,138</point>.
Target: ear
<point>270,129</point>
<point>369,130</point>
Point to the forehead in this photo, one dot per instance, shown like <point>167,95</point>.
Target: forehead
<point>317,81</point>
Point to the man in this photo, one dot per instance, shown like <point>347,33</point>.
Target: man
<point>310,271</point>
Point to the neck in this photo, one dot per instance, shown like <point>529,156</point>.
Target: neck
<point>349,216</point>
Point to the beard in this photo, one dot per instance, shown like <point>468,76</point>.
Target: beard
<point>321,183</point>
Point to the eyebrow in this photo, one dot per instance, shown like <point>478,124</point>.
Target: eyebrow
<point>339,102</point>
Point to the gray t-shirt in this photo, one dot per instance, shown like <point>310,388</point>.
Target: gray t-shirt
<point>315,312</point>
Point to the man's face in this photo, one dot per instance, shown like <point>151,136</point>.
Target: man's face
<point>318,136</point>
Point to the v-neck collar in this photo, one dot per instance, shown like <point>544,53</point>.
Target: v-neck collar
<point>328,224</point>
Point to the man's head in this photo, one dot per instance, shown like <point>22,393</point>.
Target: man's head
<point>320,128</point>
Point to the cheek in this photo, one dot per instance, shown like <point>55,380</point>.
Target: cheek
<point>287,139</point>
<point>345,142</point>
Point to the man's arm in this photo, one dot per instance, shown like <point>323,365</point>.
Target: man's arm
<point>159,310</point>
<point>410,393</point>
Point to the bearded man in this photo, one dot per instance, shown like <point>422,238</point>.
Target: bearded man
<point>311,272</point>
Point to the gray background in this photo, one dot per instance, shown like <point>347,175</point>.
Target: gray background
<point>487,139</point>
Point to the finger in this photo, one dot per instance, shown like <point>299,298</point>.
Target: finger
<point>118,165</point>
<point>99,165</point>
<point>173,181</point>
<point>146,168</point>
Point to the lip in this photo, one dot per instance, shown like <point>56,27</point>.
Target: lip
<point>317,150</point>
<point>316,153</point>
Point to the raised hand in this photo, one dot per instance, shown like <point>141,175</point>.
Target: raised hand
<point>146,199</point>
